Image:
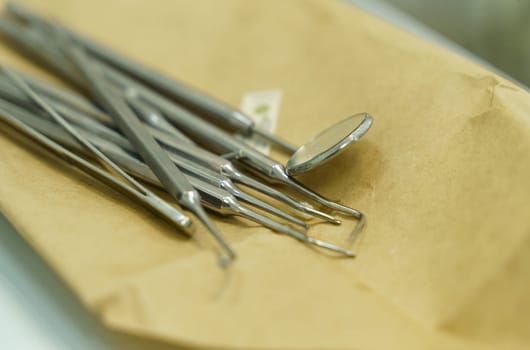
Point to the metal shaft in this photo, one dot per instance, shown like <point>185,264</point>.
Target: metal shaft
<point>173,180</point>
<point>149,200</point>
<point>217,140</point>
<point>42,53</point>
<point>213,198</point>
<point>155,119</point>
<point>217,111</point>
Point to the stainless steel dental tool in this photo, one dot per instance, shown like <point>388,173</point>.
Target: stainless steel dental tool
<point>94,151</point>
<point>174,182</point>
<point>316,152</point>
<point>217,111</point>
<point>133,189</point>
<point>140,99</point>
<point>80,112</point>
<point>212,197</point>
<point>183,163</point>
<point>220,142</point>
<point>87,75</point>
<point>188,167</point>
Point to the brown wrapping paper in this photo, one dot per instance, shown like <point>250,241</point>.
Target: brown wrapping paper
<point>443,176</point>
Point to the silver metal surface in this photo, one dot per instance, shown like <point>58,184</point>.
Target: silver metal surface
<point>185,165</point>
<point>301,206</point>
<point>217,140</point>
<point>153,118</point>
<point>82,113</point>
<point>328,143</point>
<point>217,111</point>
<point>146,102</point>
<point>169,175</point>
<point>212,197</point>
<point>148,199</point>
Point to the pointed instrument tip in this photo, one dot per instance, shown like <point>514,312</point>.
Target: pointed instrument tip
<point>336,221</point>
<point>227,256</point>
<point>357,229</point>
<point>329,246</point>
<point>225,261</point>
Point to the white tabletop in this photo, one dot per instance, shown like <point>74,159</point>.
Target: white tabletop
<point>37,311</point>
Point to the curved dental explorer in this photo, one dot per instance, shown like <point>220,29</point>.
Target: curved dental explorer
<point>220,113</point>
<point>184,164</point>
<point>170,176</point>
<point>212,197</point>
<point>133,189</point>
<point>216,164</point>
<point>57,94</point>
<point>226,167</point>
<point>187,167</point>
<point>111,135</point>
<point>146,112</point>
<point>219,141</point>
<point>225,203</point>
<point>44,53</point>
<point>222,201</point>
<point>217,179</point>
<point>225,183</point>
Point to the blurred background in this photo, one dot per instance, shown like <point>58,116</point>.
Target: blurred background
<point>496,31</point>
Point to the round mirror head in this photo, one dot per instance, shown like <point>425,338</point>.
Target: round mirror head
<point>329,143</point>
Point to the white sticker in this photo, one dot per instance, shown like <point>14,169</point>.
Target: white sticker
<point>263,108</point>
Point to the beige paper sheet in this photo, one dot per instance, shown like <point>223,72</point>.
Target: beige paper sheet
<point>443,176</point>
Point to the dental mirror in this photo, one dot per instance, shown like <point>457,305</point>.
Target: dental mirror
<point>329,143</point>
